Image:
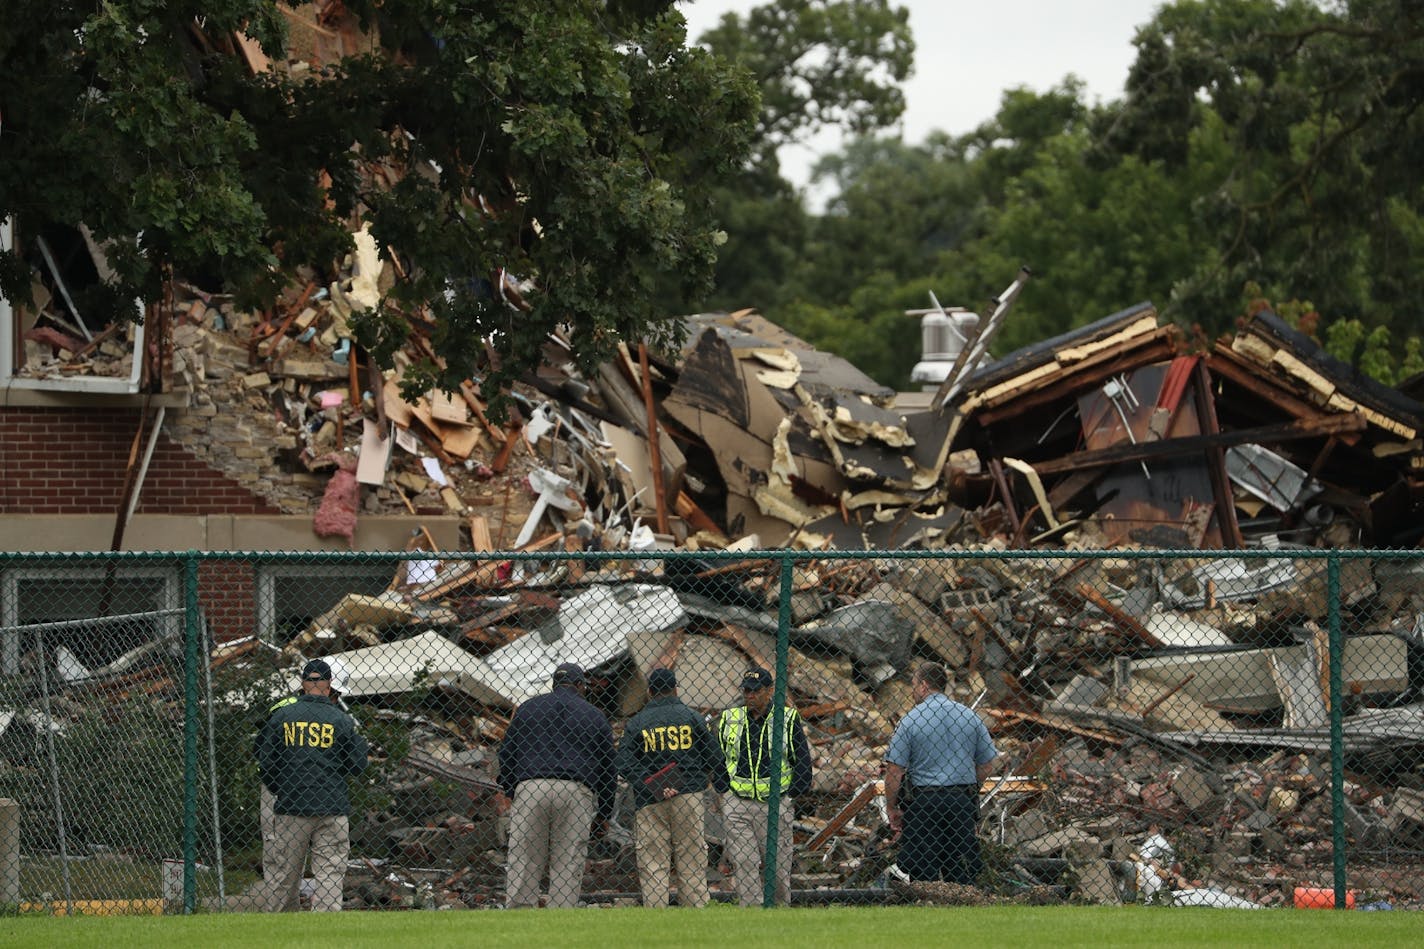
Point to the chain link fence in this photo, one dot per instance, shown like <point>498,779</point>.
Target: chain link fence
<point>1183,728</point>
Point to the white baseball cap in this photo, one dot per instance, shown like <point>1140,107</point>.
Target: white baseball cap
<point>340,675</point>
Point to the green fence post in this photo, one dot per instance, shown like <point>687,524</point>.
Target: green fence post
<point>191,635</point>
<point>778,736</point>
<point>1337,727</point>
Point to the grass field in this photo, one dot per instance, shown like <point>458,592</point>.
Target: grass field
<point>728,926</point>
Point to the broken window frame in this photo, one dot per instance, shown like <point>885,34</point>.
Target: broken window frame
<point>12,357</point>
<point>343,578</point>
<point>169,601</point>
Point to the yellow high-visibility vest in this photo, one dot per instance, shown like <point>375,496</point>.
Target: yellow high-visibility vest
<point>733,733</point>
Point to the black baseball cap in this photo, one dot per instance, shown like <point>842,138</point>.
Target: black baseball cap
<point>316,671</point>
<point>569,673</point>
<point>756,679</point>
<point>662,681</point>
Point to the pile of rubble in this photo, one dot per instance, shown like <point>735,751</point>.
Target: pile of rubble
<point>1156,712</point>
<point>1137,696</point>
<point>1170,691</point>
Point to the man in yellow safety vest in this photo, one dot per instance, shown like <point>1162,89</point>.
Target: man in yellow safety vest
<point>747,783</point>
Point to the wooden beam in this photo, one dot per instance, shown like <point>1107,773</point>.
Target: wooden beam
<point>1323,427</point>
<point>1083,375</point>
<point>472,399</point>
<point>868,792</point>
<point>1216,461</point>
<point>1120,618</point>
<point>655,454</point>
<point>688,510</point>
<point>996,468</point>
<point>1228,365</point>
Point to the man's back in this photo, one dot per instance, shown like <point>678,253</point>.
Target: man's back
<point>307,748</point>
<point>559,735</point>
<point>555,726</point>
<point>940,742</point>
<point>667,735</point>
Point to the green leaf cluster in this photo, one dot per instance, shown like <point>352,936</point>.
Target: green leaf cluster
<point>1258,143</point>
<point>568,143</point>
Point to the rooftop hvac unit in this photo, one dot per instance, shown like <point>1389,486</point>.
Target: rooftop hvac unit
<point>943,333</point>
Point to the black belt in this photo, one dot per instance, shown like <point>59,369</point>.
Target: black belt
<point>961,788</point>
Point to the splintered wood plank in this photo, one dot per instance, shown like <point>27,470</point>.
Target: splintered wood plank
<point>1119,617</point>
<point>446,407</point>
<point>867,793</point>
<point>480,533</point>
<point>398,410</point>
<point>460,441</point>
<point>252,54</point>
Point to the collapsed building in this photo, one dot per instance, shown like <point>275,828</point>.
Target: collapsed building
<point>1135,692</point>
<point>1143,685</point>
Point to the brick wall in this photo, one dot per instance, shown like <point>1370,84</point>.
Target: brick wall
<point>228,594</point>
<point>72,461</point>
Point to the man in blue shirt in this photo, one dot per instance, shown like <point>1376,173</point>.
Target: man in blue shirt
<point>946,752</point>
<point>556,763</point>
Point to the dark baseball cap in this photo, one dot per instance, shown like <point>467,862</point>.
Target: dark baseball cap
<point>568,673</point>
<point>661,681</point>
<point>316,671</point>
<point>756,679</point>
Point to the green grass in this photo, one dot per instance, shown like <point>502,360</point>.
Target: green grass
<point>728,926</point>
<point>97,878</point>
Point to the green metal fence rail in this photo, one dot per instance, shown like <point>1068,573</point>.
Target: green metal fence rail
<point>1187,727</point>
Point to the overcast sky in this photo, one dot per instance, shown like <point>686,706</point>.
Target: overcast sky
<point>966,54</point>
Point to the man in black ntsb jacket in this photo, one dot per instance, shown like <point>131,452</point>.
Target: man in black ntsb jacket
<point>666,756</point>
<point>305,753</point>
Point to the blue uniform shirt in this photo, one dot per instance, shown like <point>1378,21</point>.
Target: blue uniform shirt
<point>940,742</point>
<point>559,735</point>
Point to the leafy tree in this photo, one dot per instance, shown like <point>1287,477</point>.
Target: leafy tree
<point>1260,141</point>
<point>819,64</point>
<point>1316,107</point>
<point>568,142</point>
<point>956,217</point>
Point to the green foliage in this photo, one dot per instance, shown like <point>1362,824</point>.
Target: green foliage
<point>592,131</point>
<point>130,801</point>
<point>1259,142</point>
<point>1306,185</point>
<point>819,64</point>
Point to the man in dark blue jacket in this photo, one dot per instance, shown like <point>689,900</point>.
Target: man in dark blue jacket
<point>556,764</point>
<point>666,756</point>
<point>305,752</point>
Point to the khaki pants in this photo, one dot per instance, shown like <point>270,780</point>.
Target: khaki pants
<point>328,839</point>
<point>268,816</point>
<point>669,835</point>
<point>744,843</point>
<point>549,823</point>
